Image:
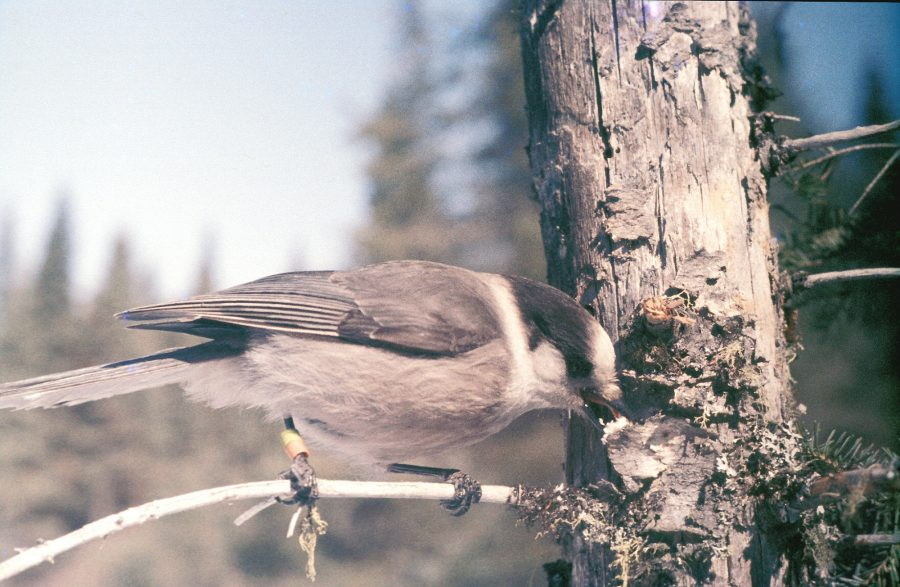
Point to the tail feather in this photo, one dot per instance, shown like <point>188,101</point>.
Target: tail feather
<point>102,381</point>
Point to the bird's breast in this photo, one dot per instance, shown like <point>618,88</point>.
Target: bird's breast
<point>373,403</point>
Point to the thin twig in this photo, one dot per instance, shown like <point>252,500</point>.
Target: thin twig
<point>844,151</point>
<point>802,280</point>
<point>46,551</point>
<point>872,183</point>
<point>830,138</point>
<point>776,116</point>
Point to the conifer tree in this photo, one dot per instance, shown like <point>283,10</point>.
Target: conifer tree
<point>7,263</point>
<point>407,219</point>
<point>504,197</point>
<point>52,289</point>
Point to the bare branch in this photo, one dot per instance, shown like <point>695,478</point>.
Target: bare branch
<point>873,182</point>
<point>776,116</point>
<point>844,151</point>
<point>875,539</point>
<point>860,482</point>
<point>802,280</point>
<point>830,138</point>
<point>46,551</point>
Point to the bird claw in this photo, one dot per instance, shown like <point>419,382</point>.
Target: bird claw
<point>467,491</point>
<point>303,482</point>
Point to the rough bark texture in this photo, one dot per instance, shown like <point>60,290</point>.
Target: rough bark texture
<point>655,217</point>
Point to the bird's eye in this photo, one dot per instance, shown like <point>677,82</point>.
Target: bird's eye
<point>577,366</point>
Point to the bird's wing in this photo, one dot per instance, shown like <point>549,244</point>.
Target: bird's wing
<point>298,303</point>
<point>411,306</point>
<point>418,305</point>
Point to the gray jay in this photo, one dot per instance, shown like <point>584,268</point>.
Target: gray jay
<point>384,363</point>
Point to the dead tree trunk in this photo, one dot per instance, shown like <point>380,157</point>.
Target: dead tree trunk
<point>655,217</point>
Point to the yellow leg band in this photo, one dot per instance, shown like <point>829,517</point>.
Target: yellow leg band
<point>293,443</point>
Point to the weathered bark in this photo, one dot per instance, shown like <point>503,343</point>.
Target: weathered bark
<point>641,145</point>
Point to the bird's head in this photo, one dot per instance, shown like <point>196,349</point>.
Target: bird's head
<point>568,340</point>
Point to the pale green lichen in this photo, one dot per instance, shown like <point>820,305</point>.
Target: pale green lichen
<point>309,526</point>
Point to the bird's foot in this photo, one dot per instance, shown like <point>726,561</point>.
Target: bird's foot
<point>466,489</point>
<point>303,482</point>
<point>466,492</point>
<point>301,474</point>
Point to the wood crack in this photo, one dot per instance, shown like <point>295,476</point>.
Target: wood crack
<point>615,18</point>
<point>602,129</point>
<point>660,216</point>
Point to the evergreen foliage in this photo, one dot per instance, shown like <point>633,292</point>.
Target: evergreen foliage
<point>407,220</point>
<point>64,468</point>
<point>489,224</point>
<point>853,515</point>
<point>850,331</point>
<point>503,192</point>
<point>822,234</point>
<point>52,290</point>
<point>7,262</point>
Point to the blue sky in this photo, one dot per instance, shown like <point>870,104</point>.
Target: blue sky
<point>835,42</point>
<point>184,123</point>
<point>180,123</point>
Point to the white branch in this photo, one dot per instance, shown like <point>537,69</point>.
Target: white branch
<point>46,551</point>
<point>830,138</point>
<point>804,281</point>
<point>776,116</point>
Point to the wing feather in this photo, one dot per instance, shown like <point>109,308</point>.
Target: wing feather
<point>304,303</point>
<point>410,306</point>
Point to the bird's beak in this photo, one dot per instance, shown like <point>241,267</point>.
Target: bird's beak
<point>616,407</point>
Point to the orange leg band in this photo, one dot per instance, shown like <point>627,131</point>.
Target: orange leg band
<point>293,443</point>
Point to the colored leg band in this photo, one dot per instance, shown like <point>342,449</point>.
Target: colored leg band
<point>293,443</point>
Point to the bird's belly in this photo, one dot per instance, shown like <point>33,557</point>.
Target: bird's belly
<point>378,406</point>
<point>380,441</point>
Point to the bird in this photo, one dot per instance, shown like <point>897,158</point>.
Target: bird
<point>383,364</point>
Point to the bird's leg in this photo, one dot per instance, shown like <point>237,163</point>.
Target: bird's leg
<point>467,490</point>
<point>301,474</point>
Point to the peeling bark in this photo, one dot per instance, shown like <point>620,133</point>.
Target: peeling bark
<point>642,150</point>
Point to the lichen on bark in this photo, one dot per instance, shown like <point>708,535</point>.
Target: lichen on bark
<point>655,218</point>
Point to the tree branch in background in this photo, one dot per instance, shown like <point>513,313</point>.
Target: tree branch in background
<point>47,551</point>
<point>830,138</point>
<point>874,181</point>
<point>875,539</point>
<point>802,280</point>
<point>776,116</point>
<point>855,482</point>
<point>844,151</point>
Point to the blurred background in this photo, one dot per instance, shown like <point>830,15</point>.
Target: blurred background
<point>150,151</point>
